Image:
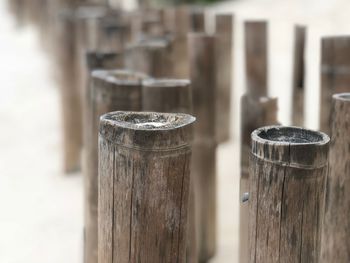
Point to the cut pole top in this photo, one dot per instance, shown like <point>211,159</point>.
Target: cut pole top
<point>147,130</point>
<point>165,83</point>
<point>344,97</point>
<point>120,77</point>
<point>291,146</point>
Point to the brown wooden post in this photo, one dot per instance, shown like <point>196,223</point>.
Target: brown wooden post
<point>198,21</point>
<point>224,48</point>
<point>152,57</point>
<point>255,113</point>
<point>288,168</point>
<point>174,95</point>
<point>335,74</point>
<point>110,90</point>
<point>256,57</point>
<point>202,65</point>
<point>298,76</point>
<point>336,227</point>
<point>144,173</point>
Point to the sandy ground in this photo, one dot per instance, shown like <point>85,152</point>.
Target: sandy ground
<point>41,208</point>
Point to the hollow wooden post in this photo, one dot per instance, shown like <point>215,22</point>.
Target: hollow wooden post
<point>288,168</point>
<point>256,57</point>
<point>202,65</point>
<point>255,113</point>
<point>298,76</point>
<point>144,172</point>
<point>336,227</point>
<point>335,74</point>
<point>110,90</point>
<point>151,57</point>
<point>224,48</point>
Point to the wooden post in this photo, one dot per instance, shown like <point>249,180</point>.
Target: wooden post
<point>144,172</point>
<point>256,57</point>
<point>255,113</point>
<point>151,57</point>
<point>110,90</point>
<point>174,95</point>
<point>167,95</point>
<point>224,48</point>
<point>298,76</point>
<point>288,168</point>
<point>336,236</point>
<point>202,65</point>
<point>335,74</point>
<point>198,21</point>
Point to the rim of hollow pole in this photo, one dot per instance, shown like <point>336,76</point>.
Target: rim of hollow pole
<point>120,76</point>
<point>342,96</point>
<point>147,121</point>
<point>165,82</point>
<point>288,136</point>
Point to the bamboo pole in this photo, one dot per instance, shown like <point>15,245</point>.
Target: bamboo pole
<point>255,113</point>
<point>202,65</point>
<point>298,76</point>
<point>256,51</point>
<point>144,174</point>
<point>110,90</point>
<point>336,227</point>
<point>335,74</point>
<point>288,169</point>
<point>224,48</point>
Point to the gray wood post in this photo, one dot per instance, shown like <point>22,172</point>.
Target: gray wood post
<point>144,173</point>
<point>224,50</point>
<point>335,74</point>
<point>256,57</point>
<point>202,65</point>
<point>110,90</point>
<point>255,113</point>
<point>336,227</point>
<point>288,168</point>
<point>298,76</point>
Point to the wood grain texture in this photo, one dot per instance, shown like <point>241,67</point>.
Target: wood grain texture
<point>336,227</point>
<point>202,65</point>
<point>110,90</point>
<point>255,113</point>
<point>144,173</point>
<point>335,74</point>
<point>224,51</point>
<point>256,57</point>
<point>288,168</point>
<point>298,76</point>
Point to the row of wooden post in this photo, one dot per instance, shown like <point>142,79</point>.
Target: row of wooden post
<point>136,209</point>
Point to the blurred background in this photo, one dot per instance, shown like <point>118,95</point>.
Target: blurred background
<point>41,218</point>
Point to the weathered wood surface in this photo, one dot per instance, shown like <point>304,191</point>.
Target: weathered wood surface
<point>110,90</point>
<point>144,172</point>
<point>256,57</point>
<point>202,65</point>
<point>153,57</point>
<point>288,168</point>
<point>167,95</point>
<point>335,74</point>
<point>224,50</point>
<point>298,76</point>
<point>255,113</point>
<point>198,21</point>
<point>336,227</point>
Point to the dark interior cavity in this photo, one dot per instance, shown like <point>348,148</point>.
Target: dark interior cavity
<point>290,135</point>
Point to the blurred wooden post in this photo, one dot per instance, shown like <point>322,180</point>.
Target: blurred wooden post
<point>336,230</point>
<point>198,21</point>
<point>144,171</point>
<point>298,76</point>
<point>202,65</point>
<point>173,95</point>
<point>152,57</point>
<point>256,50</point>
<point>224,48</point>
<point>110,90</point>
<point>335,74</point>
<point>255,113</point>
<point>288,168</point>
